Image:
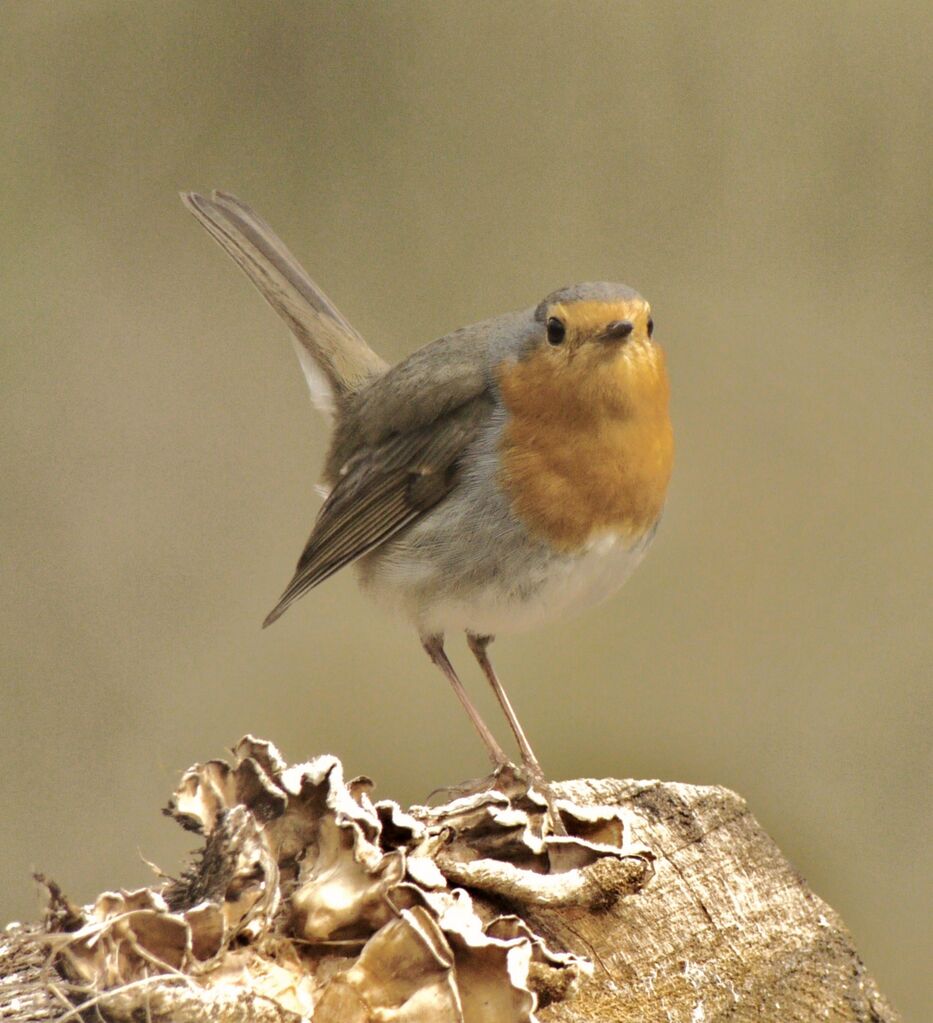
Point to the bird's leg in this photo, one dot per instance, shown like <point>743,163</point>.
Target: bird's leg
<point>478,645</point>
<point>434,647</point>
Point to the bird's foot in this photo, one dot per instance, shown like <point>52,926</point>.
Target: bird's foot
<point>517,783</point>
<point>508,778</point>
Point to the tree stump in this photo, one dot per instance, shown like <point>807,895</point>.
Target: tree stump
<point>310,901</point>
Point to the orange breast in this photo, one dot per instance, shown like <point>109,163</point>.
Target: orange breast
<point>588,446</point>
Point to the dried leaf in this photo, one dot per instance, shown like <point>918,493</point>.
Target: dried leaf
<point>311,901</point>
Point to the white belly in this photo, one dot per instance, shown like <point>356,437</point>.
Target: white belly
<point>567,586</point>
<point>528,590</point>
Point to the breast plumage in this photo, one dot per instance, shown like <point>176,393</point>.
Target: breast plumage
<point>588,447</point>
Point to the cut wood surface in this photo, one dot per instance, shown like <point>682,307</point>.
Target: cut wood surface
<point>310,901</point>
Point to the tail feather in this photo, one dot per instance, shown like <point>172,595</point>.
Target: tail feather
<point>335,358</point>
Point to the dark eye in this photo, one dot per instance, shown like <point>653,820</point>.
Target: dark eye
<point>555,331</point>
<point>650,326</point>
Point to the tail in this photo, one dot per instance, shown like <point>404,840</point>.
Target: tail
<point>335,359</point>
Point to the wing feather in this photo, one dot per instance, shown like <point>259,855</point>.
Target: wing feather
<point>380,491</point>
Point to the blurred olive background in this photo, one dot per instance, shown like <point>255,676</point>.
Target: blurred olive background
<point>760,172</point>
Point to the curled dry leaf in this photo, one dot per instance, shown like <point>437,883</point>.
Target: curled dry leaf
<point>309,901</point>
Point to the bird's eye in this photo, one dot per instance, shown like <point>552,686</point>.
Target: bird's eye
<point>555,330</point>
<point>650,326</point>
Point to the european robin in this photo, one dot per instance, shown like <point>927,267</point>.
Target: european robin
<point>501,477</point>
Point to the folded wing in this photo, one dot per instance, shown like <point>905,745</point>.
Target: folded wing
<point>381,490</point>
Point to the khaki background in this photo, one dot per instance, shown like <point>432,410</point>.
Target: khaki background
<point>760,172</point>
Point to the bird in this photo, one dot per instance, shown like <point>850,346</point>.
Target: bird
<point>500,478</point>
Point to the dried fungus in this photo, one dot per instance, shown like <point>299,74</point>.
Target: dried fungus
<point>309,901</point>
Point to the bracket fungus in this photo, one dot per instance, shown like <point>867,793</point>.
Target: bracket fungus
<point>310,901</point>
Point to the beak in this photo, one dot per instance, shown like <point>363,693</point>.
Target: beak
<point>618,330</point>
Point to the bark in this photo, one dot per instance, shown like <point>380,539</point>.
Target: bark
<point>666,902</point>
